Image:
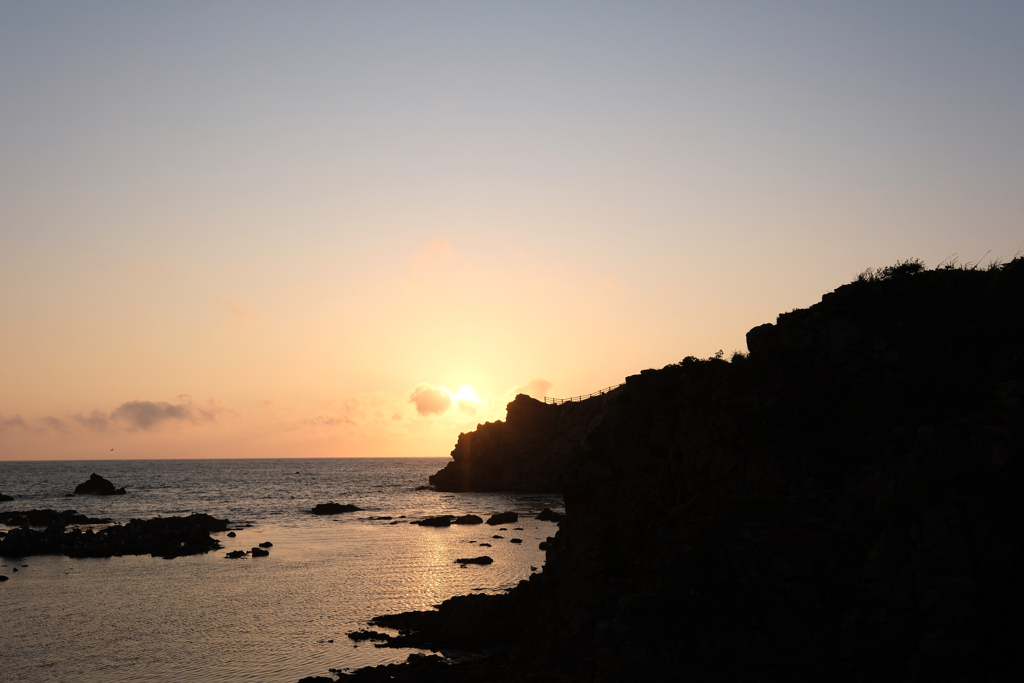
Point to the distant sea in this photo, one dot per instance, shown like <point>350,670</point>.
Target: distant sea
<point>269,619</point>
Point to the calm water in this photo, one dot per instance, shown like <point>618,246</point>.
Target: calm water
<point>207,618</point>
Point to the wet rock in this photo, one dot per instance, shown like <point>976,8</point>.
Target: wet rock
<point>3,578</point>
<point>266,544</point>
<point>503,518</point>
<point>317,679</point>
<point>47,518</point>
<point>483,559</point>
<point>469,519</point>
<point>484,545</point>
<point>497,536</point>
<point>236,554</point>
<point>424,488</point>
<point>442,520</point>
<point>98,486</point>
<point>360,636</point>
<point>515,540</point>
<point>166,537</point>
<point>4,499</point>
<point>259,552</point>
<point>231,534</point>
<point>333,508</point>
<point>549,515</point>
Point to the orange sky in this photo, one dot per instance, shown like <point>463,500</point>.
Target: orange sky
<point>249,231</point>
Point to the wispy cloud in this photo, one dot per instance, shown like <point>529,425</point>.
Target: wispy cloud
<point>96,421</point>
<point>13,422</point>
<point>147,415</point>
<point>55,424</point>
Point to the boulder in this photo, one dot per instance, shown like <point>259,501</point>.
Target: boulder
<point>98,486</point>
<point>515,540</point>
<point>259,552</point>
<point>549,515</point>
<point>333,508</point>
<point>503,518</point>
<point>231,534</point>
<point>236,554</point>
<point>4,499</point>
<point>443,520</point>
<point>266,544</point>
<point>483,559</point>
<point>468,519</point>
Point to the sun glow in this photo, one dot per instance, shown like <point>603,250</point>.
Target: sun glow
<point>466,393</point>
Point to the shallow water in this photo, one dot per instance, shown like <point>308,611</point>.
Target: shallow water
<point>207,618</point>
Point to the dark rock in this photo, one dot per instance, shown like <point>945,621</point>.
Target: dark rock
<point>484,545</point>
<point>360,636</point>
<point>266,544</point>
<point>98,486</point>
<point>424,488</point>
<point>231,534</point>
<point>483,559</point>
<point>515,540</point>
<point>317,679</point>
<point>443,520</point>
<point>518,528</point>
<point>259,552</point>
<point>166,537</point>
<point>333,508</point>
<point>503,518</point>
<point>3,578</point>
<point>497,536</point>
<point>47,518</point>
<point>236,554</point>
<point>843,503</point>
<point>4,499</point>
<point>468,519</point>
<point>549,515</point>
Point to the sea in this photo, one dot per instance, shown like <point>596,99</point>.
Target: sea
<point>272,619</point>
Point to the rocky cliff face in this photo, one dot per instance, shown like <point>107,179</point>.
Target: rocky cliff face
<point>842,504</point>
<point>527,452</point>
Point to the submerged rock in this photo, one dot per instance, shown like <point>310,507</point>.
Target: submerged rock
<point>98,486</point>
<point>236,554</point>
<point>259,552</point>
<point>47,518</point>
<point>483,559</point>
<point>333,508</point>
<point>360,636</point>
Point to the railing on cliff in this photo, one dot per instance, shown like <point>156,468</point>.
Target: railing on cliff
<point>559,401</point>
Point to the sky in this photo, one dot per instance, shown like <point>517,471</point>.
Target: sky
<point>333,229</point>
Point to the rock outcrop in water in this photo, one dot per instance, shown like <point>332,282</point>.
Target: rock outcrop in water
<point>5,498</point>
<point>98,486</point>
<point>166,537</point>
<point>842,504</point>
<point>333,508</point>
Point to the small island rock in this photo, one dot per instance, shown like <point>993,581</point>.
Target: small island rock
<point>333,508</point>
<point>98,486</point>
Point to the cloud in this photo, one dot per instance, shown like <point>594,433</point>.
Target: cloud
<point>96,421</point>
<point>431,400</point>
<point>537,388</point>
<point>13,422</point>
<point>148,414</point>
<point>55,424</point>
<point>239,316</point>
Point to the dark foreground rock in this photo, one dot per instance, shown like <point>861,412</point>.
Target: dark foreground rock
<point>167,537</point>
<point>5,499</point>
<point>842,504</point>
<point>468,519</point>
<point>98,486</point>
<point>333,509</point>
<point>483,559</point>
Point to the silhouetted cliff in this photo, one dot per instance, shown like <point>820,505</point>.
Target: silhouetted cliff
<point>843,503</point>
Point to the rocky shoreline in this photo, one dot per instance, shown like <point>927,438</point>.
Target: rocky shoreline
<point>841,503</point>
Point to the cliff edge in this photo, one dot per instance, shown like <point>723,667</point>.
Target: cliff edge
<point>843,503</point>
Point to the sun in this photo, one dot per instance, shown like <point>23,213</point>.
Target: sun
<point>466,393</point>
